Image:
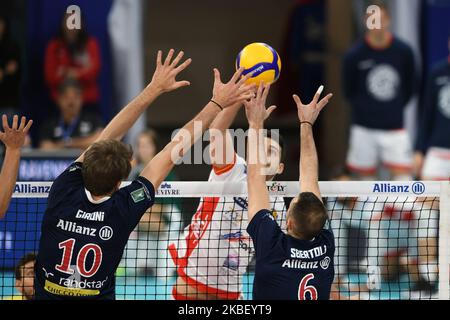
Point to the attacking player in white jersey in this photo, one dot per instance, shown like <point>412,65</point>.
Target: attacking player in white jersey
<point>215,251</point>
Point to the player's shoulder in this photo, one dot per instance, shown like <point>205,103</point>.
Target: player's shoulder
<point>399,44</point>
<point>357,48</point>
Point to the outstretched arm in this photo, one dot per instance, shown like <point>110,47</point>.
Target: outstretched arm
<point>164,80</point>
<point>14,139</point>
<point>222,147</point>
<point>258,196</point>
<point>309,164</point>
<point>224,96</point>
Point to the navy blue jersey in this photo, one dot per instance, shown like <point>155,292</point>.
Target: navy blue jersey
<point>288,268</point>
<point>379,84</point>
<point>82,240</point>
<point>435,121</point>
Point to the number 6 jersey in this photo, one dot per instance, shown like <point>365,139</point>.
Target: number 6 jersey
<point>82,240</point>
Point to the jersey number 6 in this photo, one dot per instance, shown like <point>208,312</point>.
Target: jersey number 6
<point>304,288</point>
<point>65,266</point>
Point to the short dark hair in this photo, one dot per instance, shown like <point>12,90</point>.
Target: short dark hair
<point>25,259</point>
<point>309,214</point>
<point>276,136</point>
<point>69,83</point>
<point>106,163</point>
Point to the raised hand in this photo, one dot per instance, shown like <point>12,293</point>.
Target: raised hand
<point>164,78</point>
<point>14,137</point>
<point>232,92</point>
<point>255,109</point>
<point>310,112</point>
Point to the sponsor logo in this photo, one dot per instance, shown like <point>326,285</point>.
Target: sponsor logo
<point>276,187</point>
<point>246,246</point>
<point>167,190</point>
<point>299,264</point>
<point>416,188</point>
<point>74,228</point>
<point>232,262</point>
<point>325,263</point>
<point>234,237</point>
<point>241,202</point>
<point>55,289</point>
<point>29,188</point>
<point>106,233</point>
<point>91,216</point>
<point>138,195</point>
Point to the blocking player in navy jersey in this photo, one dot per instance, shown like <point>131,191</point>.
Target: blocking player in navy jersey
<point>297,265</point>
<point>14,138</point>
<point>88,218</point>
<point>378,79</point>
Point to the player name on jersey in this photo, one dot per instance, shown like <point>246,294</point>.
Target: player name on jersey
<point>91,216</point>
<point>309,254</point>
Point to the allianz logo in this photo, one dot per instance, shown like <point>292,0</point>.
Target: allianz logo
<point>416,188</point>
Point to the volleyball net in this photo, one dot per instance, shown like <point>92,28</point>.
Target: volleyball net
<point>392,240</point>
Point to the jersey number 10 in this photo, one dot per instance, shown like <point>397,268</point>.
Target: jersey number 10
<point>68,247</point>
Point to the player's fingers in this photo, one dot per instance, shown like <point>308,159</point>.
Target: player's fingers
<point>245,96</point>
<point>2,136</point>
<point>297,100</point>
<point>260,90</point>
<point>169,57</point>
<point>324,101</point>
<point>270,110</point>
<point>28,127</point>
<point>23,121</point>
<point>177,59</point>
<point>5,122</point>
<point>237,75</point>
<point>245,78</point>
<point>15,122</point>
<point>181,84</point>
<point>217,75</point>
<point>159,58</point>
<point>266,92</point>
<point>183,66</point>
<point>317,95</point>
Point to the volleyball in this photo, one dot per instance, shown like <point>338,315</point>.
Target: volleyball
<point>262,60</point>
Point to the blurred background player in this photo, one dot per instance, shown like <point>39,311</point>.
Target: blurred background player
<point>74,127</point>
<point>433,142</point>
<point>25,276</point>
<point>74,54</point>
<point>378,80</point>
<point>297,265</point>
<point>216,250</point>
<point>14,138</point>
<point>146,252</point>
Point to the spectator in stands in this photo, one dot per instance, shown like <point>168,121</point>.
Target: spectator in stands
<point>146,251</point>
<point>74,54</point>
<point>73,127</point>
<point>378,80</point>
<point>25,276</point>
<point>9,71</point>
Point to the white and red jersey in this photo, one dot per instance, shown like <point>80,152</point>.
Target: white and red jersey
<point>216,249</point>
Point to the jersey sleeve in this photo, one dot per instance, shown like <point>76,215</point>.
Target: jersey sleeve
<point>134,200</point>
<point>233,172</point>
<point>264,230</point>
<point>65,183</point>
